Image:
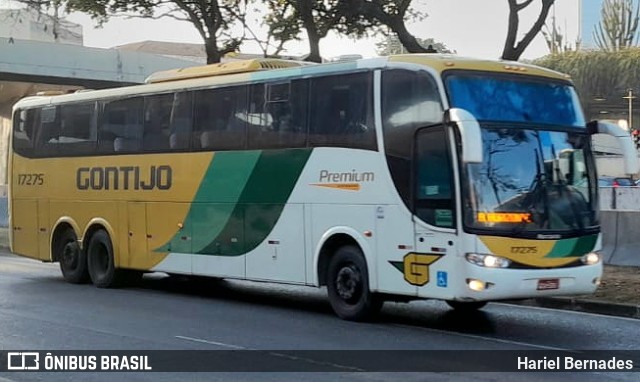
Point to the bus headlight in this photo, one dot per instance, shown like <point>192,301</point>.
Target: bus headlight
<point>488,261</point>
<point>590,258</point>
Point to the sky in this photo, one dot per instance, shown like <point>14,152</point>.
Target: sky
<point>475,28</point>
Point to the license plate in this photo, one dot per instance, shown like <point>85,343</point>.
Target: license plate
<point>547,284</point>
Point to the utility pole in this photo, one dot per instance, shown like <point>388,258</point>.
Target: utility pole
<point>630,97</point>
<point>554,48</point>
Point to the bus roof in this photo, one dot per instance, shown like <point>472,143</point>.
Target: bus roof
<point>270,69</point>
<point>442,62</point>
<point>223,68</point>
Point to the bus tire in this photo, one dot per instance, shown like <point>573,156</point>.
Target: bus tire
<point>348,286</point>
<point>101,262</point>
<point>466,306</point>
<point>73,260</point>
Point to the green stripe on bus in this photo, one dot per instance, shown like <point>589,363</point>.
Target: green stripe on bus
<point>573,247</point>
<point>261,203</point>
<point>216,199</point>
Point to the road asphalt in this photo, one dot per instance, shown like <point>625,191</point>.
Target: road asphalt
<point>565,303</point>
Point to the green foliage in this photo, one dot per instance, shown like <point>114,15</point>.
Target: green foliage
<point>392,45</point>
<point>598,73</point>
<point>287,19</point>
<point>618,27</point>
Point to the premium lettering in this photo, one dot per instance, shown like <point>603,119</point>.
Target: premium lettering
<point>353,176</point>
<point>124,178</point>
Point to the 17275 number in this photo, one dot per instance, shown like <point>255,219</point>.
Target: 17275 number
<point>30,179</point>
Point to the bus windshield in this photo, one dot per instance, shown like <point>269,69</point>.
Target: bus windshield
<point>515,98</point>
<point>532,181</point>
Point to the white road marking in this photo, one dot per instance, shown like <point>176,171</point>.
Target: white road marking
<point>273,353</point>
<point>203,341</point>
<point>487,338</point>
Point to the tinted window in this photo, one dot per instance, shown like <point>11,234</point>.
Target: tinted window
<point>121,125</point>
<point>515,98</point>
<point>342,111</point>
<point>157,117</point>
<point>181,121</point>
<point>434,178</point>
<point>24,129</point>
<point>78,133</point>
<point>410,100</point>
<point>219,123</point>
<point>48,131</point>
<point>279,119</point>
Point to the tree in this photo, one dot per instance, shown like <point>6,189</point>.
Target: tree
<point>355,18</point>
<point>555,40</point>
<point>598,74</point>
<point>214,19</point>
<point>280,28</point>
<point>513,49</point>
<point>287,19</point>
<point>391,45</point>
<point>618,27</point>
<point>391,14</point>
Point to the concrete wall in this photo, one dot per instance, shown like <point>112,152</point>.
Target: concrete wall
<point>69,63</point>
<point>620,219</point>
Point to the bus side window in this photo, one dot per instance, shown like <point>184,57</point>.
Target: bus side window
<point>157,117</point>
<point>78,131</point>
<point>283,121</point>
<point>48,133</point>
<point>181,121</point>
<point>342,111</point>
<point>217,126</point>
<point>410,100</point>
<point>24,130</point>
<point>123,120</point>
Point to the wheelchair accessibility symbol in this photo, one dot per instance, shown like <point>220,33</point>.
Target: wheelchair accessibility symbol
<point>442,279</point>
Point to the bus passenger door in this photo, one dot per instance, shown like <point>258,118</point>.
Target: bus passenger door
<point>435,211</point>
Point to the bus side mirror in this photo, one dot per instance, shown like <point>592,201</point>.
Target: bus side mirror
<point>629,153</point>
<point>470,134</point>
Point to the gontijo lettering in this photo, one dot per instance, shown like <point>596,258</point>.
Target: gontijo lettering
<point>124,178</point>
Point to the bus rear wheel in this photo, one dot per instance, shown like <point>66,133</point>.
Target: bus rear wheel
<point>101,262</point>
<point>466,306</point>
<point>348,286</point>
<point>73,260</point>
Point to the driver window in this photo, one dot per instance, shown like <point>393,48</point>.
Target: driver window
<point>434,178</point>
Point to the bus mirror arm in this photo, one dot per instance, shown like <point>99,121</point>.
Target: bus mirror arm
<point>470,133</point>
<point>629,153</point>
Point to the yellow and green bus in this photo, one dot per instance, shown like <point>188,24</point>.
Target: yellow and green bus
<point>396,178</point>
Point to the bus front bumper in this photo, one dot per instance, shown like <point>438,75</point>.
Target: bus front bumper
<point>485,284</point>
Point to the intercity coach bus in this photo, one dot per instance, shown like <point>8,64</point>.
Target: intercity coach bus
<point>396,178</point>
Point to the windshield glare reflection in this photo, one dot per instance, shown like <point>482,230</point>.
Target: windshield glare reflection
<point>532,181</point>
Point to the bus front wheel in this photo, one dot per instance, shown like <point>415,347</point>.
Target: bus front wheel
<point>466,306</point>
<point>101,262</point>
<point>73,260</point>
<point>348,286</point>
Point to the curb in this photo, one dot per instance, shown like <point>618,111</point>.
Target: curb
<point>579,305</point>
